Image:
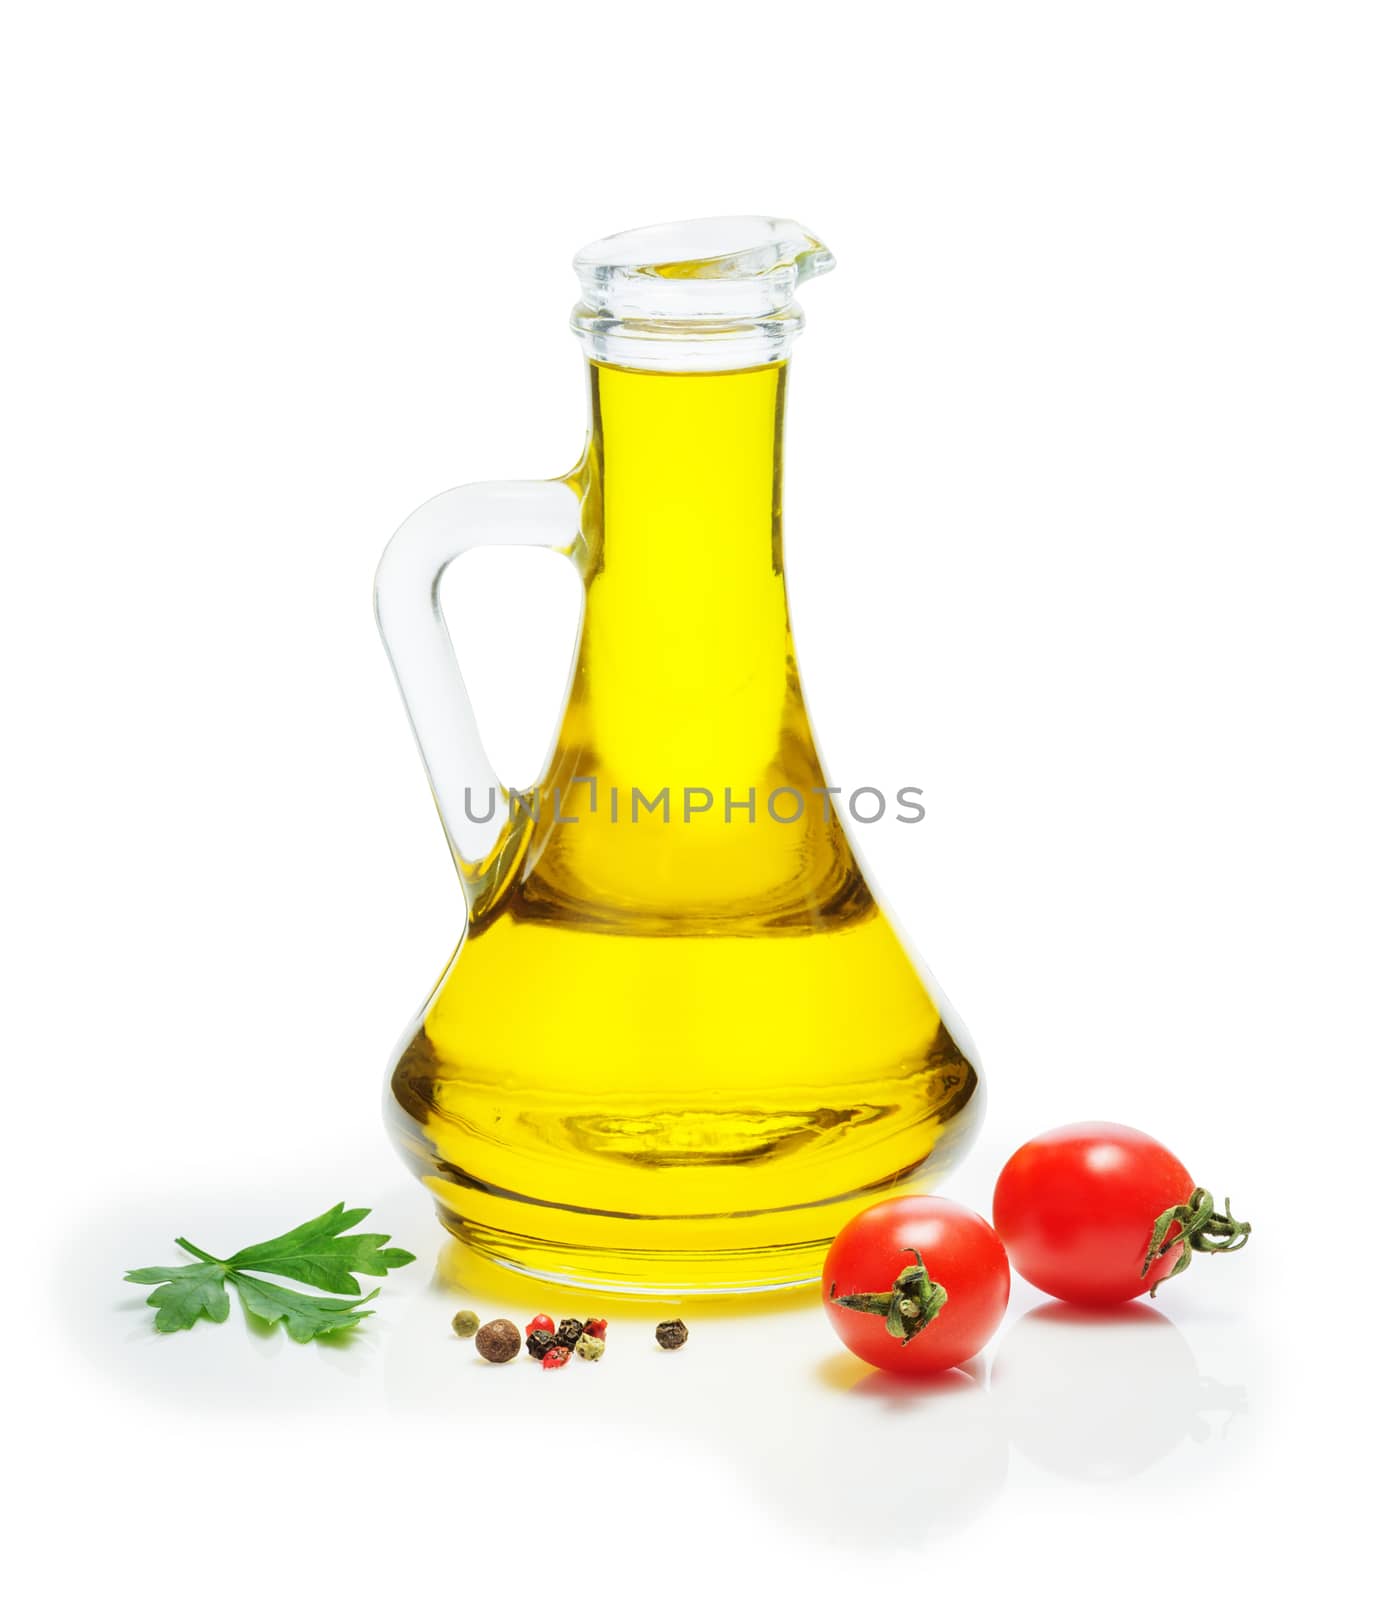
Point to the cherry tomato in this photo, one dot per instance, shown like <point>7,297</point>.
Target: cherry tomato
<point>879,1249</point>
<point>1076,1206</point>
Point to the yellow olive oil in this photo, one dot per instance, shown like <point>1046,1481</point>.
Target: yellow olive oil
<point>680,1043</point>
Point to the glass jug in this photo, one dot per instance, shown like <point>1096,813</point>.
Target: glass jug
<point>679,1043</point>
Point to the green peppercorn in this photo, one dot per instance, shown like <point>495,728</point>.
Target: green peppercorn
<point>672,1335</point>
<point>588,1347</point>
<point>569,1330</point>
<point>466,1324</point>
<point>539,1341</point>
<point>498,1341</point>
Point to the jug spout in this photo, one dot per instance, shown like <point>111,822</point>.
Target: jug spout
<point>711,294</point>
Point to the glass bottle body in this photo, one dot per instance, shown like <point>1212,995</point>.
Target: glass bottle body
<point>680,1042</point>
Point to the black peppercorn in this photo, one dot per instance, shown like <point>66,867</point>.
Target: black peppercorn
<point>539,1341</point>
<point>672,1335</point>
<point>499,1340</point>
<point>569,1330</point>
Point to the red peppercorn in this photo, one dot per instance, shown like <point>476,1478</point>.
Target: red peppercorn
<point>543,1321</point>
<point>597,1327</point>
<point>557,1356</point>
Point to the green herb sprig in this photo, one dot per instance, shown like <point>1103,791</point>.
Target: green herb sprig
<point>317,1253</point>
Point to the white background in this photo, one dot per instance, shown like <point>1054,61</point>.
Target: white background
<point>1082,504</point>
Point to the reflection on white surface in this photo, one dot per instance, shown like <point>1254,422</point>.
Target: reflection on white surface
<point>893,1461</point>
<point>762,1404</point>
<point>1102,1395</point>
<point>825,1443</point>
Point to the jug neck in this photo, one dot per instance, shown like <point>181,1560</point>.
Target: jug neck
<point>686,658</point>
<point>688,470</point>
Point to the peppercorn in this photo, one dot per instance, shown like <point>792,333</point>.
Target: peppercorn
<point>588,1348</point>
<point>672,1335</point>
<point>569,1330</point>
<point>465,1324</point>
<point>539,1341</point>
<point>498,1341</point>
<point>597,1327</point>
<point>541,1320</point>
<point>557,1356</point>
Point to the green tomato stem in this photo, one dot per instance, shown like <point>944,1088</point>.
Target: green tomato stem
<point>1200,1228</point>
<point>913,1302</point>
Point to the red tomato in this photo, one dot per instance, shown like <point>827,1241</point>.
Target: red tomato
<point>961,1254</point>
<point>1076,1206</point>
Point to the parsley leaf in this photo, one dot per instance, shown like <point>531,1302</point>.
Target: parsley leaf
<point>314,1254</point>
<point>187,1293</point>
<point>317,1253</point>
<point>303,1315</point>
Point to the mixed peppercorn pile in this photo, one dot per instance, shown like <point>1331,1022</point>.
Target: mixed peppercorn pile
<point>549,1342</point>
<point>554,1343</point>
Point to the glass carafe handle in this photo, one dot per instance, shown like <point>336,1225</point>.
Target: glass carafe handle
<point>407,605</point>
